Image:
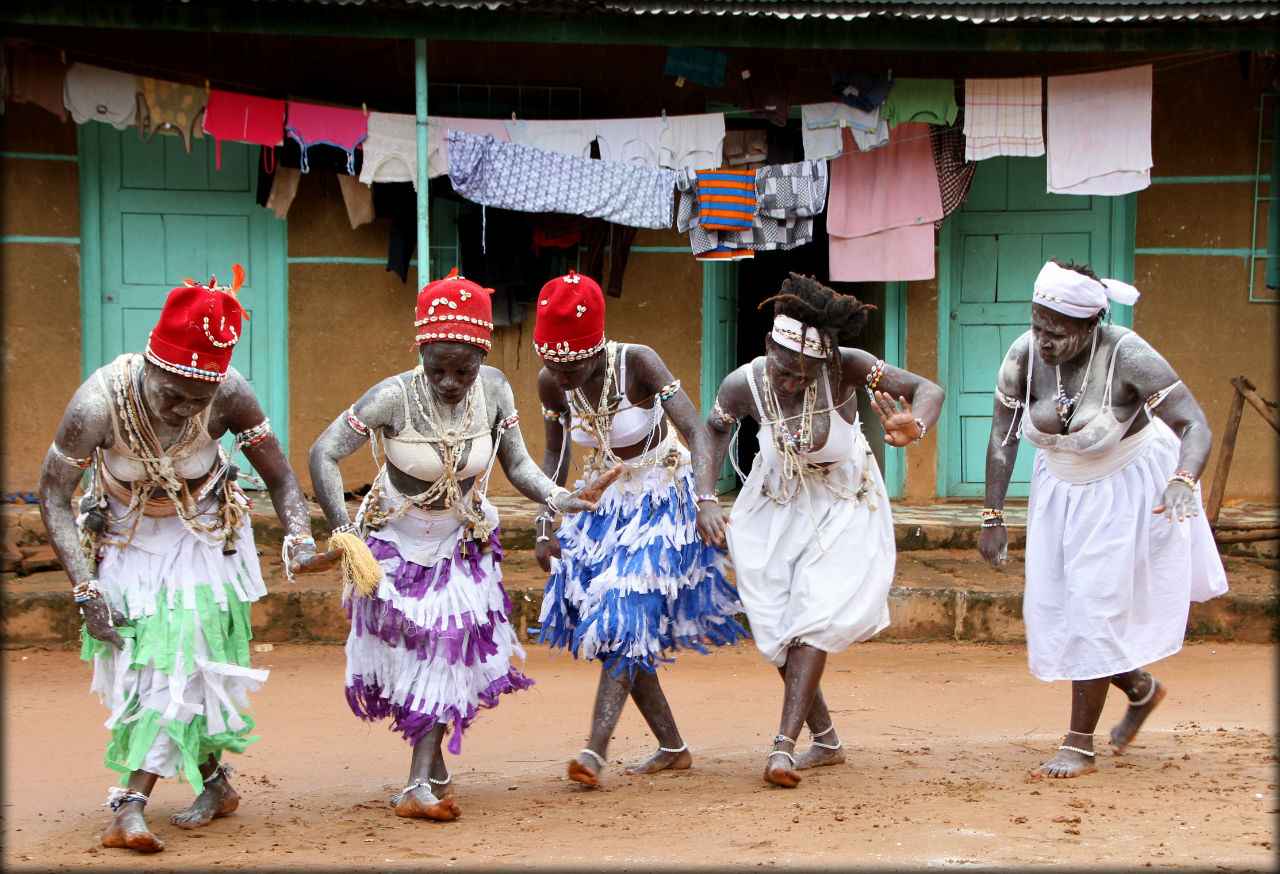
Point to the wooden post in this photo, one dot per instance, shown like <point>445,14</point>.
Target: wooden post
<point>1265,408</point>
<point>1224,456</point>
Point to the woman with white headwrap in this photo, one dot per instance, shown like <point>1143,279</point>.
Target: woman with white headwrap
<point>812,534</point>
<point>1116,546</point>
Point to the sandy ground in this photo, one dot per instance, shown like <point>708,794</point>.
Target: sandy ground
<point>940,737</point>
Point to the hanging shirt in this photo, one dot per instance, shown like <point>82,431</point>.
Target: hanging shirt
<point>391,149</point>
<point>94,94</point>
<point>312,125</point>
<point>243,118</point>
<point>168,106</point>
<point>928,100</point>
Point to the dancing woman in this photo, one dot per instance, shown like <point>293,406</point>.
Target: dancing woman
<point>161,555</point>
<point>633,580</point>
<point>812,534</point>
<point>430,642</point>
<point>1120,447</point>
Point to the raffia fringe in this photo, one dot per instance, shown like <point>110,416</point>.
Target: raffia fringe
<point>360,569</point>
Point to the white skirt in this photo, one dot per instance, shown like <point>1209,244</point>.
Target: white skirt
<point>816,571</point>
<point>1109,583</point>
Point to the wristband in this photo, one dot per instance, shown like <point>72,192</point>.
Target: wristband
<point>923,429</point>
<point>700,498</point>
<point>1185,478</point>
<point>992,518</point>
<point>86,591</point>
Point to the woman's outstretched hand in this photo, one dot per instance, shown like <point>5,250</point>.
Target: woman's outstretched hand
<point>586,497</point>
<point>1178,502</point>
<point>313,562</point>
<point>993,544</point>
<point>900,427</point>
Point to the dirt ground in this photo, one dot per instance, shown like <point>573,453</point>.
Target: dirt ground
<point>940,737</point>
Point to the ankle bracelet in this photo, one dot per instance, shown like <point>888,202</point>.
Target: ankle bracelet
<point>817,734</point>
<point>682,748</point>
<point>1079,750</point>
<point>219,773</point>
<point>1151,690</point>
<point>783,739</point>
<point>444,782</point>
<point>599,758</point>
<point>786,755</point>
<point>118,795</point>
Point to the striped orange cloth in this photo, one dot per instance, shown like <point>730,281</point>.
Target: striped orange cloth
<point>726,199</point>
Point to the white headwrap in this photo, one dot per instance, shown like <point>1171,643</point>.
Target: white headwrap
<point>786,333</point>
<point>1075,294</point>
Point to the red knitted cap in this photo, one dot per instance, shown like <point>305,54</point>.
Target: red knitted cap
<point>457,309</point>
<point>198,328</point>
<point>570,320</point>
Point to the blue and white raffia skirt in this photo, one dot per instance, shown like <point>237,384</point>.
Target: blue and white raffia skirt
<point>634,580</point>
<point>433,644</point>
<point>178,689</point>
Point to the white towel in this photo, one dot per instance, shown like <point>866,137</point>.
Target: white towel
<point>693,141</point>
<point>1099,131</point>
<point>568,137</point>
<point>1003,117</point>
<point>96,94</point>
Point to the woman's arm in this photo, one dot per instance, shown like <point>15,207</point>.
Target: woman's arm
<point>906,403</point>
<point>376,409</point>
<point>1002,451</point>
<point>733,403</point>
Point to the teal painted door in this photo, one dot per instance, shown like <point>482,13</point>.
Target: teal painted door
<point>157,215</point>
<point>719,341</point>
<point>991,252</point>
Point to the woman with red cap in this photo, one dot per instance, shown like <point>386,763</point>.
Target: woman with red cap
<point>812,533</point>
<point>161,555</point>
<point>430,643</point>
<point>631,580</point>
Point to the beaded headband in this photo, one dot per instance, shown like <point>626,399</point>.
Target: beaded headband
<point>787,333</point>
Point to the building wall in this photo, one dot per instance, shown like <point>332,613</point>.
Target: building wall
<point>350,323</point>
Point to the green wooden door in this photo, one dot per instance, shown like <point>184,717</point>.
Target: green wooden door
<point>719,341</point>
<point>991,252</point>
<point>151,214</point>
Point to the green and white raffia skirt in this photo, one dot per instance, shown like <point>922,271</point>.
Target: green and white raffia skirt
<point>179,688</point>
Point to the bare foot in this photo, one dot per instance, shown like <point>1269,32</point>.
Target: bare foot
<point>1124,731</point>
<point>1074,758</point>
<point>129,829</point>
<point>816,756</point>
<point>581,769</point>
<point>780,770</point>
<point>419,803</point>
<point>217,799</point>
<point>663,760</point>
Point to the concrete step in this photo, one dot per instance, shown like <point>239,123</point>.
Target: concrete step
<point>938,594</point>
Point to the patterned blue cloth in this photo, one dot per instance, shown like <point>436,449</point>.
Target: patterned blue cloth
<point>526,179</point>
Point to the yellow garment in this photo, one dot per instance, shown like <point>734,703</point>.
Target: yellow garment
<point>167,107</point>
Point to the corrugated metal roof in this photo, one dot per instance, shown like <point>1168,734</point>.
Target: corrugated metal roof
<point>1085,11</point>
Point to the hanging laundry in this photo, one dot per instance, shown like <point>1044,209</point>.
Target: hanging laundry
<point>35,78</point>
<point>955,174</point>
<point>358,199</point>
<point>284,188</point>
<point>746,149</point>
<point>95,94</point>
<point>630,140</point>
<point>928,100</point>
<point>859,91</point>
<point>321,158</point>
<point>726,199</point>
<point>517,177</point>
<point>310,124</point>
<point>820,125</point>
<point>787,198</point>
<point>243,118</point>
<point>1099,132</point>
<point>704,66</point>
<point>170,107</point>
<point>568,137</point>
<point>398,202</point>
<point>693,141</point>
<point>438,147</point>
<point>1003,117</point>
<point>391,149</point>
<point>881,210</point>
<point>768,92</point>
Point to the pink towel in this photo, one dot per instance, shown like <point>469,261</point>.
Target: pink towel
<point>310,125</point>
<point>890,187</point>
<point>1099,132</point>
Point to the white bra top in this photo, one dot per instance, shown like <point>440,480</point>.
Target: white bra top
<point>841,435</point>
<point>630,425</point>
<point>412,453</point>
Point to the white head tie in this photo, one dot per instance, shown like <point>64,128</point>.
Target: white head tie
<point>787,333</point>
<point>1075,294</point>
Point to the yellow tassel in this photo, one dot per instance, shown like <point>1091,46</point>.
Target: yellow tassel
<point>360,569</point>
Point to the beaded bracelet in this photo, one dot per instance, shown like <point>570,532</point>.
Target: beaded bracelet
<point>992,518</point>
<point>86,591</point>
<point>722,415</point>
<point>923,429</point>
<point>709,497</point>
<point>356,425</point>
<point>255,435</point>
<point>873,376</point>
<point>344,529</point>
<point>555,494</point>
<point>668,391</point>
<point>1187,479</point>
<point>81,463</point>
<point>289,547</point>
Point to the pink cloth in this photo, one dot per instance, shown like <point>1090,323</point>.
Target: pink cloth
<point>243,118</point>
<point>890,188</point>
<point>311,125</point>
<point>1099,132</point>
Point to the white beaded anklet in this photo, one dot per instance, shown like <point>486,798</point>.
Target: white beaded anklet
<point>599,758</point>
<point>396,799</point>
<point>682,748</point>
<point>1079,750</point>
<point>814,735</point>
<point>1151,690</point>
<point>444,782</point>
<point>786,755</point>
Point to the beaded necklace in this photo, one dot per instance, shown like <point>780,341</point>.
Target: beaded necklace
<point>599,420</point>
<point>449,441</point>
<point>1066,406</point>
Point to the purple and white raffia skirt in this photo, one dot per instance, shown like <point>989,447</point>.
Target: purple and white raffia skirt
<point>433,645</point>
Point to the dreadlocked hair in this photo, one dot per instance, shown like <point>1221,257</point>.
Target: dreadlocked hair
<point>838,318</point>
